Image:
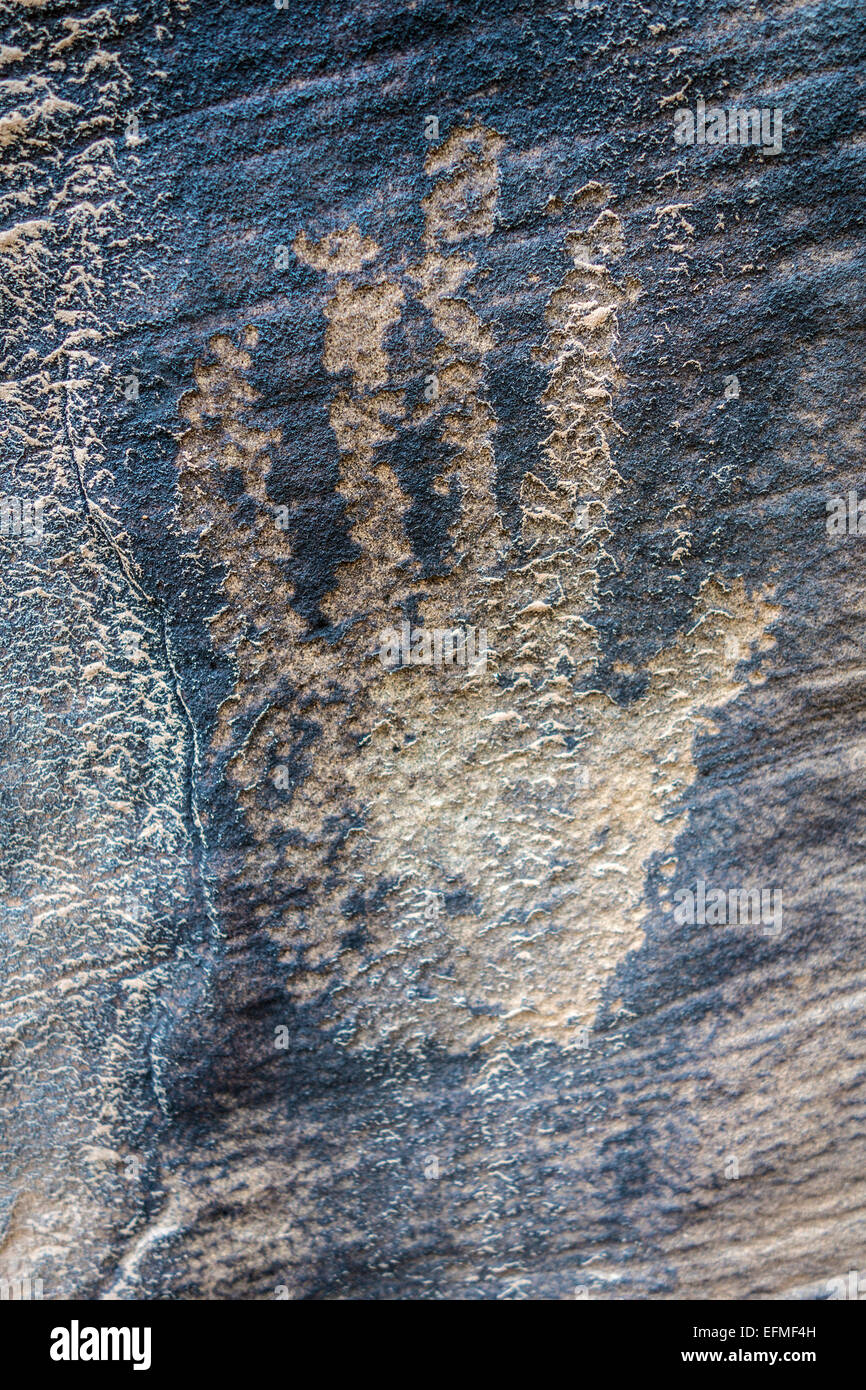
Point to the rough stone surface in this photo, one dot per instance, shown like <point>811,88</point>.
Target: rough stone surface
<point>324,979</point>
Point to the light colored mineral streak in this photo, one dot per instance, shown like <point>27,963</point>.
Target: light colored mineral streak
<point>361,310</point>
<point>219,442</point>
<point>97,875</point>
<point>462,204</point>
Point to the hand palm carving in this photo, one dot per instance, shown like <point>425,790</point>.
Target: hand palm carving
<point>457,859</point>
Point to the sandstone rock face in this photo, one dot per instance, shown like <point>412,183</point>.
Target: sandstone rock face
<point>432,656</point>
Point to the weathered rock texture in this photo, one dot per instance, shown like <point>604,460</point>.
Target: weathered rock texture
<point>322,978</point>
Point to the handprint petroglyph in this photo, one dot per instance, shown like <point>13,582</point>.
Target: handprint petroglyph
<point>524,801</point>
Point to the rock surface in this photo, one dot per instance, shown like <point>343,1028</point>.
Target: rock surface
<point>328,331</point>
